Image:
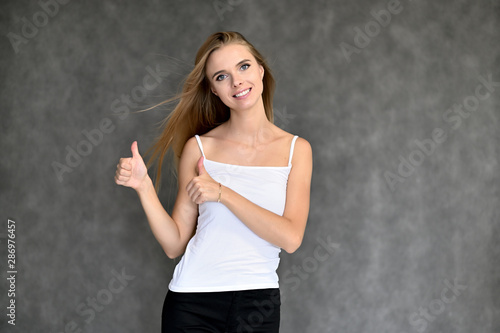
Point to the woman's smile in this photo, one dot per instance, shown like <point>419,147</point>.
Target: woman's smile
<point>242,94</point>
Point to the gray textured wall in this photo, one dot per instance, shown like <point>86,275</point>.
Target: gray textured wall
<point>403,116</point>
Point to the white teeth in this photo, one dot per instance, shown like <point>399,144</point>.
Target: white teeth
<point>243,93</point>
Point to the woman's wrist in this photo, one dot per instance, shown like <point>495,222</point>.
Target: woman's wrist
<point>225,195</point>
<point>220,192</point>
<point>144,186</point>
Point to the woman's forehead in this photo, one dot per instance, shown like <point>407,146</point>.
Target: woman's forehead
<point>228,56</point>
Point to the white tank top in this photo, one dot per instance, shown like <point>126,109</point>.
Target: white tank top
<point>224,254</point>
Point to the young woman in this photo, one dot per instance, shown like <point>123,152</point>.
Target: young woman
<point>244,188</point>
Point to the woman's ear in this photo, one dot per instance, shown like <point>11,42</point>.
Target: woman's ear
<point>261,72</point>
<point>213,92</point>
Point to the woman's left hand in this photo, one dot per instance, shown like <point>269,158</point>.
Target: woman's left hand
<point>202,188</point>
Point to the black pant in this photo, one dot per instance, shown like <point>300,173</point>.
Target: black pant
<point>243,311</point>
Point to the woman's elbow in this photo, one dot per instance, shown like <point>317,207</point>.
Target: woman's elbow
<point>293,245</point>
<point>173,253</point>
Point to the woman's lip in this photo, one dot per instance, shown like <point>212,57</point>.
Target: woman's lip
<point>239,92</point>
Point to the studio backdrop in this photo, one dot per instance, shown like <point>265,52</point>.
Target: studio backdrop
<point>400,100</point>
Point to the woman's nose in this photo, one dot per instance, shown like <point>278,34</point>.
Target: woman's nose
<point>237,80</point>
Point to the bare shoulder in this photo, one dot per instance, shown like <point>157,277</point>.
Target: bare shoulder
<point>302,151</point>
<point>212,138</point>
<point>190,155</point>
<point>191,148</point>
<point>303,145</point>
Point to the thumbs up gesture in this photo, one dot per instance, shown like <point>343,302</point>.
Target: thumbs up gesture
<point>131,171</point>
<point>202,188</point>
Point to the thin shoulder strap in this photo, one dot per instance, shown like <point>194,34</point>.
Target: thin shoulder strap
<point>199,144</point>
<point>291,150</point>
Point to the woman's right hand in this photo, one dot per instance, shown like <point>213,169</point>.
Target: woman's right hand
<point>131,171</point>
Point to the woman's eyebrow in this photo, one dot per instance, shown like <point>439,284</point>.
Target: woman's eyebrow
<point>222,71</point>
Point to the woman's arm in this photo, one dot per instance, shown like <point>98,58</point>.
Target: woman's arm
<point>284,231</point>
<point>172,232</point>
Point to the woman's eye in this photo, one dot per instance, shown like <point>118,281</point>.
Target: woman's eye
<point>220,77</point>
<point>245,66</point>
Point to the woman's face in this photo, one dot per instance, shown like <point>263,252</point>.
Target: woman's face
<point>235,76</point>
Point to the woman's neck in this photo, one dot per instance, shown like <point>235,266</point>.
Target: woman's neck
<point>250,126</point>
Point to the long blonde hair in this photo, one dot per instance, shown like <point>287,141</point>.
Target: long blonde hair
<point>198,110</point>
